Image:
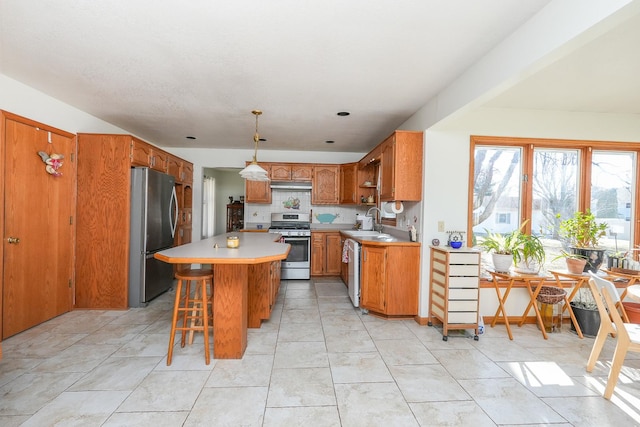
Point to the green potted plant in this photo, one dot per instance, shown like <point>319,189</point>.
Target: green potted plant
<point>529,254</point>
<point>583,232</point>
<point>502,248</point>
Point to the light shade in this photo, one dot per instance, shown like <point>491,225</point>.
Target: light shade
<point>253,172</point>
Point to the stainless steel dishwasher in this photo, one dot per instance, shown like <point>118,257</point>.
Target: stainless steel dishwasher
<point>353,254</point>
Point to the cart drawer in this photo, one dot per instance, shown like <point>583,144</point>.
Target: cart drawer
<point>466,294</point>
<point>463,317</point>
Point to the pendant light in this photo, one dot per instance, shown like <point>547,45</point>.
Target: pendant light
<point>253,172</point>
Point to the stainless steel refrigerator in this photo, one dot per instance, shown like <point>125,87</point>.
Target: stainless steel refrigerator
<point>154,215</point>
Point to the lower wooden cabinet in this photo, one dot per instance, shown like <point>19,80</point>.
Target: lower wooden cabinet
<point>390,277</point>
<point>326,253</point>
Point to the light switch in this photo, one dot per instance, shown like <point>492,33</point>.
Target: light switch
<point>441,226</point>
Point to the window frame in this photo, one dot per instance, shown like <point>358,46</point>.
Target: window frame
<point>528,145</point>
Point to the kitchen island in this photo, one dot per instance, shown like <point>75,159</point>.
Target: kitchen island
<point>245,283</point>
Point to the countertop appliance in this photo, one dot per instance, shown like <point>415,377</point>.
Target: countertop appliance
<point>154,216</point>
<point>295,229</point>
<point>364,222</point>
<point>353,280</point>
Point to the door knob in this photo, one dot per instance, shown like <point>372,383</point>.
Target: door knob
<point>13,240</point>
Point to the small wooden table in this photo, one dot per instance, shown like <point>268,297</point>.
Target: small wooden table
<point>530,280</point>
<point>580,280</point>
<point>631,279</point>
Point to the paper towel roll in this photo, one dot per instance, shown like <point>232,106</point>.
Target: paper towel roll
<point>397,210</point>
<point>390,208</point>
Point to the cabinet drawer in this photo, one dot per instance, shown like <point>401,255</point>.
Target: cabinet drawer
<point>463,317</point>
<point>463,282</point>
<point>456,258</point>
<point>464,270</point>
<point>468,294</point>
<point>463,305</point>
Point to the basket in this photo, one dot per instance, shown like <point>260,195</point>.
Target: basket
<point>551,295</point>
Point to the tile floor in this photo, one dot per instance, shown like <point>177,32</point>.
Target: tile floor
<point>317,362</point>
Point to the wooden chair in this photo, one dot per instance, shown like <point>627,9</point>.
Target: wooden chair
<point>627,334</point>
<point>193,310</point>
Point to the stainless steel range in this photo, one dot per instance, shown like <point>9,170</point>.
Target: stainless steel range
<point>296,230</point>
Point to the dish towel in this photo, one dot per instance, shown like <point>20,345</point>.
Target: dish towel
<point>345,253</point>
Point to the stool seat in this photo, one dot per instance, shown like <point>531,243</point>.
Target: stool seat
<point>193,310</point>
<point>193,274</point>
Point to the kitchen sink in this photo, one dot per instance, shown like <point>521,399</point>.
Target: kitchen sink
<point>372,235</point>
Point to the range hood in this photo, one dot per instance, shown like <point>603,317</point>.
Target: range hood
<point>291,185</point>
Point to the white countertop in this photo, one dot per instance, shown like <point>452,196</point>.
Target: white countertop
<point>254,248</point>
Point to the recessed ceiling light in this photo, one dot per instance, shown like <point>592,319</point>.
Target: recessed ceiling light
<point>191,137</point>
<point>344,113</point>
<point>329,142</point>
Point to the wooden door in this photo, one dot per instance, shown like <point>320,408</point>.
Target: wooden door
<point>333,254</point>
<point>387,163</point>
<point>38,211</point>
<point>372,294</point>
<point>326,185</point>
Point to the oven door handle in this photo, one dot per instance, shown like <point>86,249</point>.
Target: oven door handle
<point>295,239</point>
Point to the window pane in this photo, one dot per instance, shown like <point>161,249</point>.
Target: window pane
<point>612,190</point>
<point>555,192</point>
<point>496,189</point>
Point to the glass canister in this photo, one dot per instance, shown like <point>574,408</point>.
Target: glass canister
<point>233,241</point>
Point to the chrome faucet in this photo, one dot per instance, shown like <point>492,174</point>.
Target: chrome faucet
<point>376,225</point>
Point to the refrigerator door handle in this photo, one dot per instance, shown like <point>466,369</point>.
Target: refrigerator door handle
<point>174,204</point>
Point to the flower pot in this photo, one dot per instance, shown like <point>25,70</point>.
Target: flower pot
<point>594,257</point>
<point>576,266</point>
<point>588,319</point>
<point>502,263</point>
<point>633,311</point>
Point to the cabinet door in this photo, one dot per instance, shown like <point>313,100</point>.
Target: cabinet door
<point>159,160</point>
<point>333,254</point>
<point>387,181</point>
<point>301,172</point>
<point>280,172</point>
<point>140,153</point>
<point>326,185</point>
<point>187,172</point>
<point>258,191</point>
<point>317,254</point>
<point>174,165</point>
<point>348,184</point>
<point>372,294</point>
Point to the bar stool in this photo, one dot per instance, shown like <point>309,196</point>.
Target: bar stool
<point>194,310</point>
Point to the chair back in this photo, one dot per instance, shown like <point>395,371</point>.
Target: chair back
<point>610,303</point>
<point>604,283</point>
<point>597,289</point>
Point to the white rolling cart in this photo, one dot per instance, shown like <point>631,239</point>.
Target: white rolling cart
<point>454,289</point>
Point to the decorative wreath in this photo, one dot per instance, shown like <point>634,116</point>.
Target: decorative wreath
<point>53,162</point>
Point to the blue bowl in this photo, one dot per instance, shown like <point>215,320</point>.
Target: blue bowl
<point>456,245</point>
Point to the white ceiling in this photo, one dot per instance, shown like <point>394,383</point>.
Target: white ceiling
<point>164,72</point>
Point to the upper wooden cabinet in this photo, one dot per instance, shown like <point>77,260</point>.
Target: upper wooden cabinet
<point>348,184</point>
<point>258,191</point>
<point>401,167</point>
<point>291,172</point>
<point>186,174</point>
<point>174,167</point>
<point>145,154</point>
<point>326,185</point>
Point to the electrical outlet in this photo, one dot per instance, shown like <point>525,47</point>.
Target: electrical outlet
<point>441,226</point>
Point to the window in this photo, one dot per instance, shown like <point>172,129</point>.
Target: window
<point>503,218</point>
<point>542,182</point>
